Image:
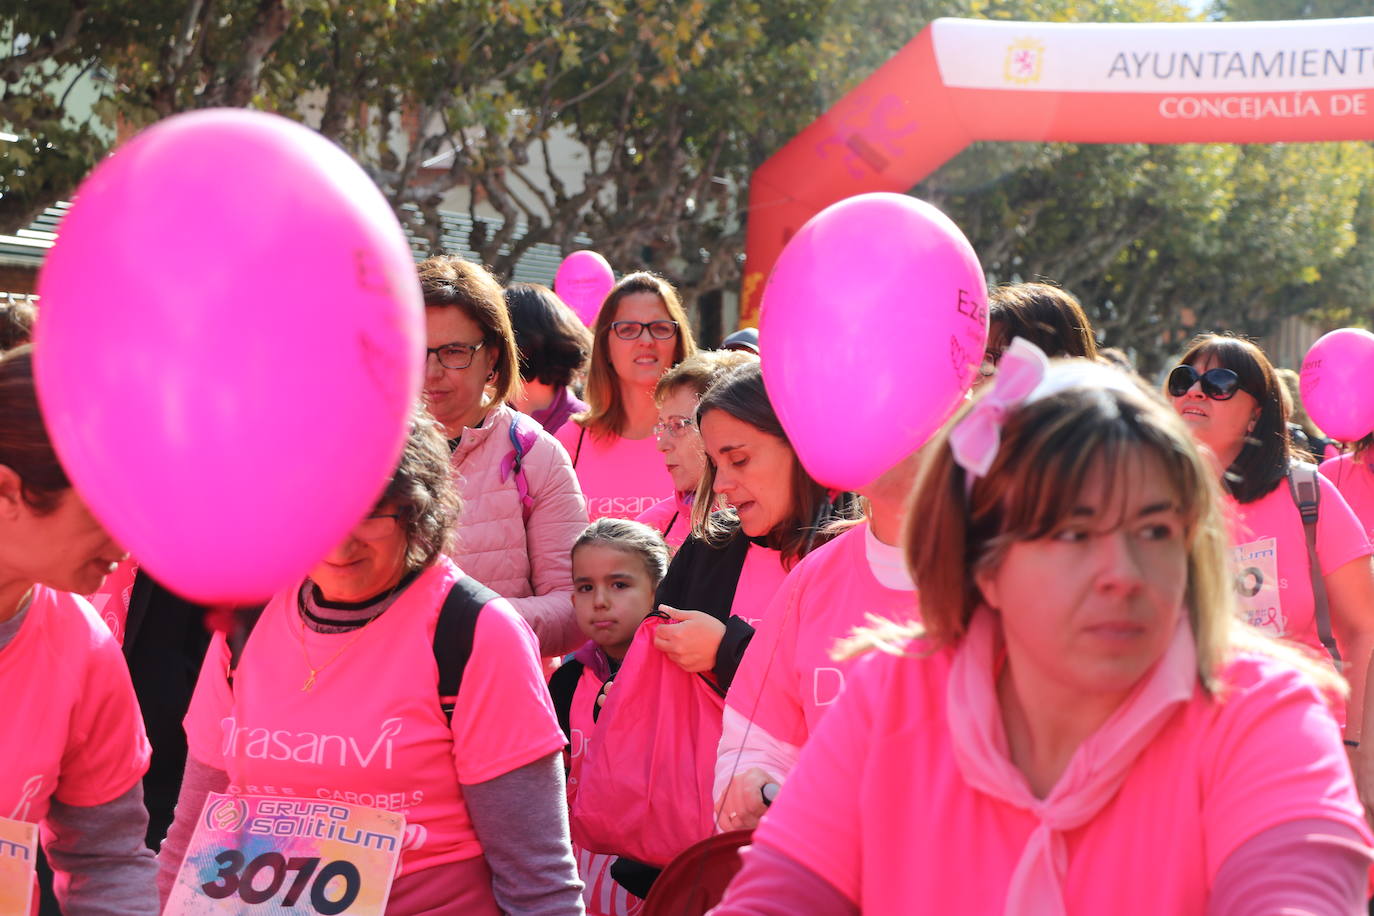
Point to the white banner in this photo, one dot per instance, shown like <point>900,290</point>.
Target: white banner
<point>1191,57</point>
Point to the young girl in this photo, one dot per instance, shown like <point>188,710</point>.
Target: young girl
<point>616,566</point>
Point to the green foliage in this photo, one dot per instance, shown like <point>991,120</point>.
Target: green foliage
<point>1160,242</point>
<point>672,104</point>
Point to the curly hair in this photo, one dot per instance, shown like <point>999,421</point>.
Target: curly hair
<point>422,493</point>
<point>16,324</point>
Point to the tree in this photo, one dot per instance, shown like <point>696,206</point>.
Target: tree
<point>673,101</point>
<point>1162,241</point>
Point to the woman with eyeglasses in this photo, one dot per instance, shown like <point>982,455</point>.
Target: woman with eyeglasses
<point>523,508</point>
<point>1079,724</point>
<point>725,575</point>
<point>678,394</point>
<point>1227,393</point>
<point>640,333</point>
<point>334,693</point>
<point>75,751</point>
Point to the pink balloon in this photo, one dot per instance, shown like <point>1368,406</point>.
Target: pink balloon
<point>1335,384</point>
<point>583,280</point>
<point>231,343</point>
<point>872,328</point>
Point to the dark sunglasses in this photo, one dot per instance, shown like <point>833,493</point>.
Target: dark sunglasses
<point>1217,384</point>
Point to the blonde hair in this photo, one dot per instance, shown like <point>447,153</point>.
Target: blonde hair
<point>450,281</point>
<point>1048,447</point>
<point>700,370</point>
<point>606,415</point>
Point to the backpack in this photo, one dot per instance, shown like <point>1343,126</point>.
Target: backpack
<point>1306,490</point>
<point>453,635</point>
<point>524,433</point>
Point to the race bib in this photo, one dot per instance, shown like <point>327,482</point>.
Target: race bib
<point>1257,586</point>
<point>18,853</point>
<point>254,854</point>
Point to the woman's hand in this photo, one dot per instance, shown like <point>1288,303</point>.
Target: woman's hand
<point>691,640</point>
<point>742,805</point>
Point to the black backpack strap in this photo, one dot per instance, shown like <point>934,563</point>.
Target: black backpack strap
<point>245,618</point>
<point>1306,490</point>
<point>453,635</point>
<point>562,688</point>
<point>139,597</point>
<point>581,433</point>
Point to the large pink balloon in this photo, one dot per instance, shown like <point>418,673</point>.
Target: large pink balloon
<point>230,344</point>
<point>583,280</point>
<point>1336,384</point>
<point>872,328</point>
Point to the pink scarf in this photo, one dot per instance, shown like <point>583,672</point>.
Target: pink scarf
<point>1093,776</point>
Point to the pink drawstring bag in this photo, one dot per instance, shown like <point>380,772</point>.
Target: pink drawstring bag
<point>645,790</point>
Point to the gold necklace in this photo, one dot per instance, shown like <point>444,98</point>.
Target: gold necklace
<point>305,654</point>
<point>315,671</point>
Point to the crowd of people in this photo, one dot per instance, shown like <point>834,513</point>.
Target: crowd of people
<point>1098,646</point>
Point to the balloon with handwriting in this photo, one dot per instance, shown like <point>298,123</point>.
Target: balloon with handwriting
<point>873,326</point>
<point>1336,384</point>
<point>231,342</point>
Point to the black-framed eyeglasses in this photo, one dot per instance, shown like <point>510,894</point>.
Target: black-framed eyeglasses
<point>454,355</point>
<point>633,330</point>
<point>1218,384</point>
<point>376,527</point>
<point>673,427</point>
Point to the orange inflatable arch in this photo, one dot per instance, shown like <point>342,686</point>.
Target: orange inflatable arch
<point>963,80</point>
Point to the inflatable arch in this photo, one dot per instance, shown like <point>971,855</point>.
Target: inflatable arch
<point>961,80</point>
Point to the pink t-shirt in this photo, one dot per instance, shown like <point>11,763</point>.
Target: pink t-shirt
<point>71,728</point>
<point>759,580</point>
<point>878,806</point>
<point>111,600</point>
<point>602,896</point>
<point>787,679</point>
<point>620,477</point>
<point>671,517</point>
<point>1355,479</point>
<point>371,732</point>
<point>1274,581</point>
